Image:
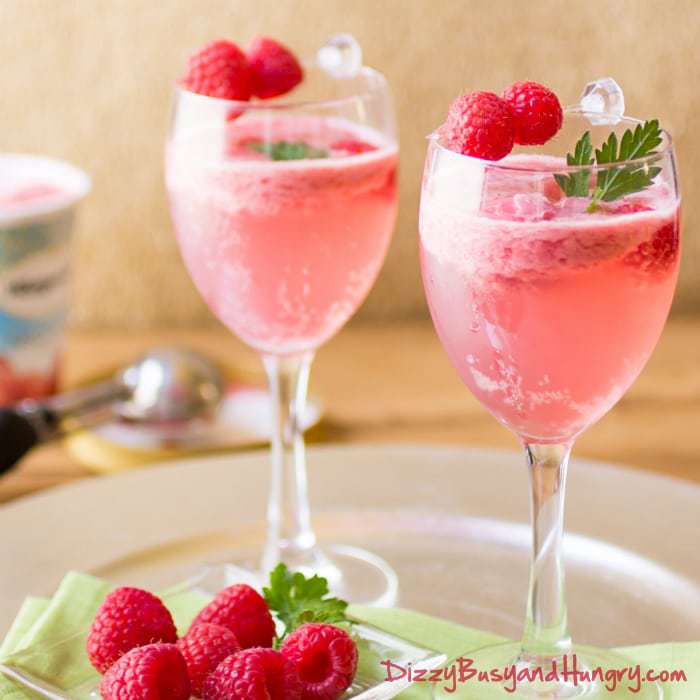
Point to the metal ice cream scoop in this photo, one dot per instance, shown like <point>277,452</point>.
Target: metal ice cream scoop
<point>166,385</point>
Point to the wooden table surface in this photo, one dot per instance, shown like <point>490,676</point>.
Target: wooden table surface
<point>394,384</point>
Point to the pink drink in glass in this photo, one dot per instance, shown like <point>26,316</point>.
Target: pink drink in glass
<point>283,251</point>
<point>547,312</point>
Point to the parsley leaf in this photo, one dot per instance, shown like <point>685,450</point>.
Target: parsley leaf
<point>576,184</point>
<point>287,150</point>
<point>296,599</point>
<point>616,181</point>
<point>613,183</point>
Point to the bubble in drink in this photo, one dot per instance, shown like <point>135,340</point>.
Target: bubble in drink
<point>603,96</point>
<point>340,56</point>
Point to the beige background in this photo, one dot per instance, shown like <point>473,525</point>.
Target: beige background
<point>89,80</point>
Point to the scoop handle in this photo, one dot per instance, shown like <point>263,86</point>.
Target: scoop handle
<point>18,434</point>
<point>30,422</point>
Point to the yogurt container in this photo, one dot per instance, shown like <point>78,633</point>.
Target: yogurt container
<point>38,200</point>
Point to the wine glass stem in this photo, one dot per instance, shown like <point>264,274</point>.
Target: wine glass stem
<point>546,632</point>
<point>290,538</point>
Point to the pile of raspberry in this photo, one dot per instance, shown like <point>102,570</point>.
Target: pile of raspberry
<point>221,69</point>
<point>227,653</point>
<point>484,125</point>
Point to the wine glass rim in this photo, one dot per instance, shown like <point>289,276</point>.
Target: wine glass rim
<point>266,105</point>
<point>555,167</point>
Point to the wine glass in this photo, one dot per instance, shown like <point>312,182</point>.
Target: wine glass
<point>548,307</point>
<point>284,211</point>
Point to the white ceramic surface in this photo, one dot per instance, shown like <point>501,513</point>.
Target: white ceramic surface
<point>452,521</point>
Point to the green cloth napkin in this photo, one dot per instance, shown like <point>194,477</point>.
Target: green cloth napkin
<point>31,640</point>
<point>28,614</point>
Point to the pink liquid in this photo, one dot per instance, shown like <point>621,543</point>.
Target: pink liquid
<point>28,193</point>
<point>547,312</point>
<point>283,252</point>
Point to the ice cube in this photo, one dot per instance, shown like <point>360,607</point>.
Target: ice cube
<point>340,56</point>
<point>603,97</point>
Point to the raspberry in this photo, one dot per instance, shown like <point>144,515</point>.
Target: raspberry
<point>254,674</point>
<point>128,618</point>
<point>538,113</point>
<point>274,68</point>
<point>353,146</point>
<point>480,124</point>
<point>244,611</point>
<point>325,658</point>
<point>204,647</point>
<point>219,69</point>
<point>658,253</point>
<point>153,672</point>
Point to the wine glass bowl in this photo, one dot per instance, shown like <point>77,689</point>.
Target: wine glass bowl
<point>547,312</point>
<point>283,251</point>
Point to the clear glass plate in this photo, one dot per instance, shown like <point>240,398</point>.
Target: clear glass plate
<point>374,646</point>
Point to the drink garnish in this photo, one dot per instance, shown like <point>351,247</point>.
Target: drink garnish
<point>577,183</point>
<point>484,125</point>
<point>297,600</point>
<point>287,150</point>
<point>274,69</point>
<point>617,181</point>
<point>481,125</point>
<point>221,69</point>
<point>537,111</point>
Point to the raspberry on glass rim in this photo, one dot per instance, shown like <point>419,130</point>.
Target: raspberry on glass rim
<point>223,70</point>
<point>537,112</point>
<point>486,126</point>
<point>274,69</point>
<point>219,69</point>
<point>480,124</point>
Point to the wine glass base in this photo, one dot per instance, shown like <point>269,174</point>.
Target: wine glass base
<point>359,576</point>
<point>353,574</point>
<point>592,674</point>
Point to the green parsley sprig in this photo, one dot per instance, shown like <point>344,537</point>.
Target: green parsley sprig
<point>576,183</point>
<point>616,181</point>
<point>297,600</point>
<point>287,150</point>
